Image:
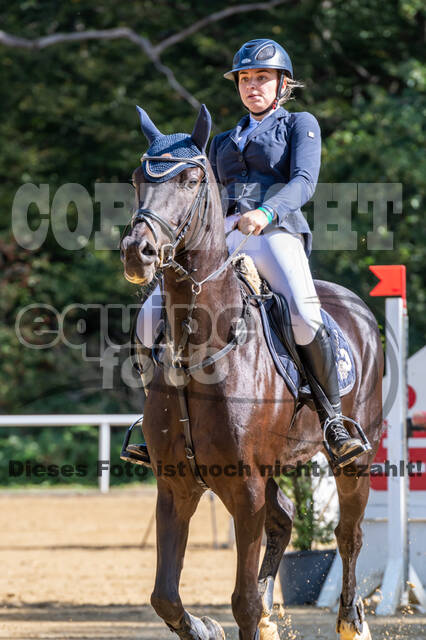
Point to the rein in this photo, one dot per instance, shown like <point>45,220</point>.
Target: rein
<point>168,253</point>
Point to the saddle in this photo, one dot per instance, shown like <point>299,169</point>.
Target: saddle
<point>279,336</point>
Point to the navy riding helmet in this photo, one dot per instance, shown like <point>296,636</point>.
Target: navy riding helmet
<point>262,54</point>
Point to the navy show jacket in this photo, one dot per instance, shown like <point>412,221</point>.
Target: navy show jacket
<point>278,166</point>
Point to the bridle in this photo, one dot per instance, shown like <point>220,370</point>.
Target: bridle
<point>200,204</point>
<point>168,252</point>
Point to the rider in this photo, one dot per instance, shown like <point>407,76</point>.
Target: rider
<point>268,166</point>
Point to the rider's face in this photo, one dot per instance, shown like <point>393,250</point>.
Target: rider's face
<point>258,88</point>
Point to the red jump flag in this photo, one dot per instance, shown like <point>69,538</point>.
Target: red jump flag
<point>392,280</point>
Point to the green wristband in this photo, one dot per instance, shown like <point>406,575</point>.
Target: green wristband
<point>268,214</point>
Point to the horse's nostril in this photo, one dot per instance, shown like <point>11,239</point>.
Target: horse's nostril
<point>147,249</point>
<point>142,250</point>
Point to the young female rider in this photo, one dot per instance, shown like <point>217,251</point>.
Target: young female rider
<point>268,167</point>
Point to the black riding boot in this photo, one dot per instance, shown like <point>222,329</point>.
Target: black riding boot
<point>318,360</point>
<point>144,364</point>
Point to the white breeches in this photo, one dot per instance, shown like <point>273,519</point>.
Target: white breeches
<point>281,260</point>
<point>149,317</point>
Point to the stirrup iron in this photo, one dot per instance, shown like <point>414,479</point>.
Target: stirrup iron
<point>135,453</point>
<point>364,447</point>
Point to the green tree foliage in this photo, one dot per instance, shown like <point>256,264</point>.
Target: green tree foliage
<point>68,116</point>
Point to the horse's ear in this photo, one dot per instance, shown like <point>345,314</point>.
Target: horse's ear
<point>201,132</point>
<point>148,127</point>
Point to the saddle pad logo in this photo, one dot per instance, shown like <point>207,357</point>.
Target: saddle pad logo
<point>344,364</point>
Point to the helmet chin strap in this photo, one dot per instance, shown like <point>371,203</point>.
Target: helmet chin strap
<point>260,113</point>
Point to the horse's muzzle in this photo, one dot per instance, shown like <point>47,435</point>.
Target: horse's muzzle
<point>139,258</point>
<point>138,250</point>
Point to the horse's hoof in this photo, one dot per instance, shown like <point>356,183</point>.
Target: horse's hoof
<point>215,630</point>
<point>347,631</point>
<point>268,630</point>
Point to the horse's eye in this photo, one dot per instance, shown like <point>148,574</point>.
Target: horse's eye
<point>191,183</point>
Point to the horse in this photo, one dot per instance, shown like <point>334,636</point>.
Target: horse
<point>217,401</point>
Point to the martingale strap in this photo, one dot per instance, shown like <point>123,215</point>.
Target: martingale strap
<point>189,445</point>
<point>239,336</point>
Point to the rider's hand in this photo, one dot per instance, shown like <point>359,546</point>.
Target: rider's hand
<point>254,220</point>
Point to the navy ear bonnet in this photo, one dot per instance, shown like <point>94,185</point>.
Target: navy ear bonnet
<point>178,145</point>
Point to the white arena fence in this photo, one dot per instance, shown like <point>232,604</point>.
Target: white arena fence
<point>104,422</point>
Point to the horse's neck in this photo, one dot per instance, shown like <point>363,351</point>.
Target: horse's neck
<point>219,299</point>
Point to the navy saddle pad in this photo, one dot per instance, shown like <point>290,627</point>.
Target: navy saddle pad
<point>286,367</point>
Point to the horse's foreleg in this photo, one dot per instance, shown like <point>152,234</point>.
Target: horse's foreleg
<point>172,535</point>
<point>173,515</point>
<point>249,518</point>
<point>353,495</point>
<point>278,525</point>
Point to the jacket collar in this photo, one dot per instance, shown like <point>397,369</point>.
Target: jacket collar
<point>266,123</point>
<point>236,132</point>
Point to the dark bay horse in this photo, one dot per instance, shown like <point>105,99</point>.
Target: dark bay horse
<point>237,410</point>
